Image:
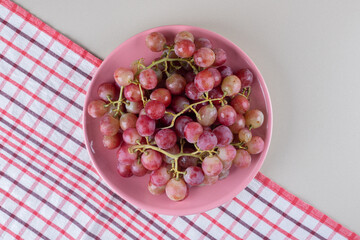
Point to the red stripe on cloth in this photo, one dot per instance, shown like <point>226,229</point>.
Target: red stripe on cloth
<point>304,206</point>
<point>50,31</point>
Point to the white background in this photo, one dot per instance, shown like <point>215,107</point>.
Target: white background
<point>309,55</point>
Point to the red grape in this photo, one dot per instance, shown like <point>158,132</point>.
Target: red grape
<point>176,84</point>
<point>156,190</point>
<point>226,165</point>
<point>184,48</point>
<point>231,85</point>
<point>220,56</point>
<point>160,177</point>
<point>162,95</point>
<point>204,81</point>
<point>225,71</point>
<point>179,103</point>
<point>187,161</point>
<point>241,104</point>
<point>217,76</point>
<point>192,92</point>
<point>184,35</point>
<point>148,79</point>
<point>246,77</point>
<point>132,93</point>
<point>155,109</point>
<point>194,176</point>
<point>111,142</point>
<point>180,123</point>
<point>192,131</point>
<point>106,90</point>
<point>134,107</point>
<point>216,93</point>
<point>224,135</point>
<point>208,115</point>
<point>209,180</point>
<point>189,77</point>
<point>165,138</point>
<point>128,120</point>
<point>204,57</point>
<point>138,169</point>
<point>151,159</point>
<point>124,170</point>
<point>238,124</point>
<point>155,41</point>
<point>176,190</point>
<point>207,141</point>
<point>245,135</point>
<point>109,126</point>
<point>97,108</point>
<point>124,156</point>
<point>242,158</point>
<point>254,118</point>
<point>173,150</point>
<point>256,145</point>
<point>212,166</point>
<point>131,136</point>
<point>123,76</point>
<point>202,42</point>
<point>224,174</point>
<point>226,115</point>
<point>167,118</point>
<point>145,126</point>
<point>227,153</point>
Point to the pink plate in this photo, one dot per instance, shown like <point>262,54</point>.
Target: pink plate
<point>134,189</point>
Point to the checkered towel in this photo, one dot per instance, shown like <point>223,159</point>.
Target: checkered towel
<point>48,187</point>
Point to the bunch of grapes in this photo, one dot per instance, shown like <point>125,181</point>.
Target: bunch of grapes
<point>185,119</point>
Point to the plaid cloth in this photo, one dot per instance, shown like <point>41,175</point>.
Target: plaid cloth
<point>48,187</point>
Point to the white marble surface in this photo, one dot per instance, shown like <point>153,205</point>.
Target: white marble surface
<point>309,55</point>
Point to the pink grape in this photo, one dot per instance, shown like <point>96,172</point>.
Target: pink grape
<point>231,85</point>
<point>155,41</point>
<point>173,150</point>
<point>256,145</point>
<point>254,118</point>
<point>151,159</point>
<point>109,126</point>
<point>225,71</point>
<point>184,48</point>
<point>111,142</point>
<point>192,92</point>
<point>167,118</point>
<point>106,90</point>
<point>194,176</point>
<point>204,81</point>
<point>208,115</point>
<point>162,95</point>
<point>223,135</point>
<point>184,35</point>
<point>155,109</point>
<point>207,141</point>
<point>226,115</point>
<point>124,170</point>
<point>240,103</point>
<point>204,57</point>
<point>179,103</point>
<point>224,174</point>
<point>242,159</point>
<point>180,123</point>
<point>148,79</point>
<point>238,124</point>
<point>134,107</point>
<point>245,135</point>
<point>123,76</point>
<point>128,120</point>
<point>246,77</point>
<point>145,126</point>
<point>176,84</point>
<point>212,166</point>
<point>216,93</point>
<point>124,156</point>
<point>176,190</point>
<point>132,93</point>
<point>209,180</point>
<point>220,56</point>
<point>97,108</point>
<point>131,136</point>
<point>138,169</point>
<point>202,42</point>
<point>226,165</point>
<point>165,138</point>
<point>192,131</point>
<point>160,177</point>
<point>189,77</point>
<point>156,190</point>
<point>217,76</point>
